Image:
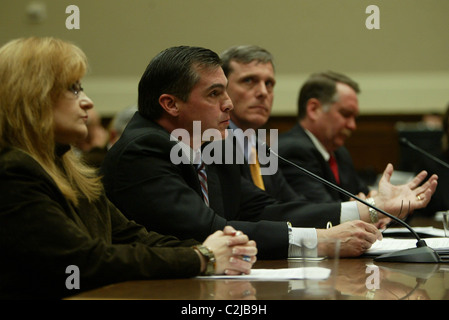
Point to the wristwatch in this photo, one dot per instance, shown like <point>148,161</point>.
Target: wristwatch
<point>210,259</point>
<point>372,213</point>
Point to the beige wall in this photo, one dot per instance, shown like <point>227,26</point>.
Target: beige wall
<point>402,68</point>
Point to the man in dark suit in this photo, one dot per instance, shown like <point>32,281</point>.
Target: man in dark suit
<point>154,173</point>
<point>327,111</point>
<point>251,81</point>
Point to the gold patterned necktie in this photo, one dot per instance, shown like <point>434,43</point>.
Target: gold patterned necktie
<point>254,167</point>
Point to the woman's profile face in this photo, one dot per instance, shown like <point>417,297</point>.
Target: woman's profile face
<point>70,115</point>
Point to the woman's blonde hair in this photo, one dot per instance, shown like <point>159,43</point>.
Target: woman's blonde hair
<point>34,72</point>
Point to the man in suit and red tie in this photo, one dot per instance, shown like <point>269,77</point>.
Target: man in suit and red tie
<point>327,112</point>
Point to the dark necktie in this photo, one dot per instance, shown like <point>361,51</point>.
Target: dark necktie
<point>202,176</point>
<point>334,167</point>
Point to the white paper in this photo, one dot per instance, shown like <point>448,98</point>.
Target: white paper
<point>315,273</point>
<point>387,245</point>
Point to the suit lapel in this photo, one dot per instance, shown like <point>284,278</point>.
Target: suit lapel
<point>327,172</point>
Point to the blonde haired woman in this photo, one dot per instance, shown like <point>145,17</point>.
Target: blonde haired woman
<point>53,211</point>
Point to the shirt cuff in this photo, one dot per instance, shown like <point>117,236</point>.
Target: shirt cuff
<point>299,236</point>
<point>349,211</point>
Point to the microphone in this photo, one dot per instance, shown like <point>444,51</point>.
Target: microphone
<point>422,253</point>
<point>407,143</point>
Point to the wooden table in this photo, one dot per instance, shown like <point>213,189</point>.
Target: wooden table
<point>357,279</point>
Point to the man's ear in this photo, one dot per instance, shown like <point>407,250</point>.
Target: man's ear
<point>168,103</point>
<point>314,108</point>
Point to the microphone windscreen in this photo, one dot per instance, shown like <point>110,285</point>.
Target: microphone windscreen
<point>403,141</point>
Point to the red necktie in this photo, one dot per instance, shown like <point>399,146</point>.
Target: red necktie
<point>334,167</point>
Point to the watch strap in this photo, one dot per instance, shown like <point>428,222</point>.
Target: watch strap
<point>210,259</point>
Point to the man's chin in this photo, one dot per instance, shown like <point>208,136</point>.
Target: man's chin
<point>339,144</point>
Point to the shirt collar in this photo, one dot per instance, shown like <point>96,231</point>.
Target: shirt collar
<point>318,145</point>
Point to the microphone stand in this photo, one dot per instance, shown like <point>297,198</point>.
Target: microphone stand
<point>422,253</point>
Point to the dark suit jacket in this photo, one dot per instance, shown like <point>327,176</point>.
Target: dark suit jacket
<point>296,146</point>
<point>42,233</point>
<point>275,184</point>
<point>143,182</point>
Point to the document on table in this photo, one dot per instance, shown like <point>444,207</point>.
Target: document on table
<point>314,273</point>
<point>387,245</point>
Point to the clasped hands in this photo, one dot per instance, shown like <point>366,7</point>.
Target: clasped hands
<point>234,253</point>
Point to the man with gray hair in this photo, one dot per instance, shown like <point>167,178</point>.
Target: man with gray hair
<point>327,112</point>
<point>251,81</point>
